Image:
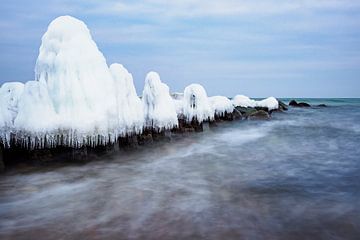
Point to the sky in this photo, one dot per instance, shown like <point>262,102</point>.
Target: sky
<point>305,48</point>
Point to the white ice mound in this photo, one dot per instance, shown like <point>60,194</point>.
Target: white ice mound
<point>36,114</point>
<point>221,105</point>
<point>271,103</point>
<point>243,101</point>
<point>196,104</point>
<point>9,98</point>
<point>159,108</point>
<point>129,106</point>
<point>78,79</point>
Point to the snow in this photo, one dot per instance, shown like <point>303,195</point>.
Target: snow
<point>159,107</point>
<point>243,101</point>
<point>196,104</point>
<point>77,77</point>
<point>221,104</point>
<point>129,105</point>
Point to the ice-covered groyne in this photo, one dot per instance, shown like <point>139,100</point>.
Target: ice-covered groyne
<point>77,100</point>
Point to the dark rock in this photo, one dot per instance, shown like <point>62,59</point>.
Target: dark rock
<point>186,126</point>
<point>259,115</point>
<point>293,103</point>
<point>228,116</point>
<point>321,105</point>
<point>263,109</point>
<point>145,138</point>
<point>245,111</point>
<point>303,104</point>
<point>2,165</point>
<point>282,106</point>
<point>128,141</point>
<point>236,114</point>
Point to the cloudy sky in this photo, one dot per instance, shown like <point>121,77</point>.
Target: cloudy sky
<point>305,48</point>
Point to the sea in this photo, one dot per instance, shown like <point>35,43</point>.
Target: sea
<point>296,176</point>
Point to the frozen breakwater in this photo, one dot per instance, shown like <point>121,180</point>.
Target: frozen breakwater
<point>77,102</point>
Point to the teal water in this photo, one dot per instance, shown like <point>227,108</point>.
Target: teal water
<point>294,177</point>
<point>327,101</point>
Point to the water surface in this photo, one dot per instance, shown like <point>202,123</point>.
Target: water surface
<point>294,177</point>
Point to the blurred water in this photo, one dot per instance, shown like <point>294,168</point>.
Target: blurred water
<point>294,177</point>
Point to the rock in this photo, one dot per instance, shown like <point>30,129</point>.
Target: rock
<point>228,116</point>
<point>321,105</point>
<point>237,114</point>
<point>145,138</point>
<point>246,111</point>
<point>263,108</point>
<point>303,104</point>
<point>2,165</point>
<point>293,103</point>
<point>259,115</point>
<point>128,141</point>
<point>282,106</point>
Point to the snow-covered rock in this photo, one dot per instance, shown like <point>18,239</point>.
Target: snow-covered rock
<point>77,77</point>
<point>129,105</point>
<point>196,104</point>
<point>243,101</point>
<point>179,105</point>
<point>36,117</point>
<point>221,104</point>
<point>271,103</point>
<point>159,108</point>
<point>10,93</point>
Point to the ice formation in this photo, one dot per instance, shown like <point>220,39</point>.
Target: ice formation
<point>77,77</point>
<point>221,105</point>
<point>196,105</point>
<point>243,101</point>
<point>129,106</point>
<point>271,103</point>
<point>159,107</point>
<point>77,100</point>
<point>9,97</point>
<point>36,118</point>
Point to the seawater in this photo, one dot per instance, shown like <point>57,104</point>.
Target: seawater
<point>294,177</point>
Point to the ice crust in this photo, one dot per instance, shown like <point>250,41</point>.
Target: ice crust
<point>221,105</point>
<point>196,105</point>
<point>243,101</point>
<point>159,108</point>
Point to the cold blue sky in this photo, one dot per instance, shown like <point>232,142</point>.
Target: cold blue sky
<point>305,48</point>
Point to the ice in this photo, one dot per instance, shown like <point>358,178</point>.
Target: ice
<point>196,105</point>
<point>76,99</point>
<point>10,93</point>
<point>130,108</point>
<point>221,105</point>
<point>36,118</point>
<point>9,98</point>
<point>159,107</point>
<point>77,77</point>
<point>243,101</point>
<point>271,103</point>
